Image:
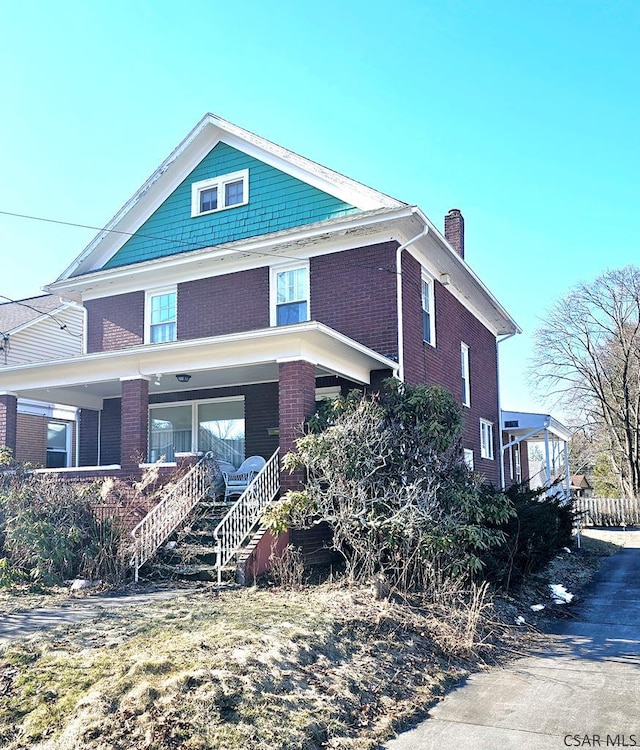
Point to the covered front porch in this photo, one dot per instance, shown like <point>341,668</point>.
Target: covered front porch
<point>551,438</point>
<point>234,395</point>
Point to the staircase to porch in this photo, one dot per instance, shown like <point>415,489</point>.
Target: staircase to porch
<point>191,535</point>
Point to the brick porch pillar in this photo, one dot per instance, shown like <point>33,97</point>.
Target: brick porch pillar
<point>134,423</point>
<point>9,421</point>
<point>297,398</point>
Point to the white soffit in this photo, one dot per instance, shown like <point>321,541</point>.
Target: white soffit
<point>81,377</point>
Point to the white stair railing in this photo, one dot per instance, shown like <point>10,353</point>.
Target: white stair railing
<point>164,518</point>
<point>234,529</point>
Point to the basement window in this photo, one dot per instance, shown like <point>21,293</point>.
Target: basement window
<point>220,193</point>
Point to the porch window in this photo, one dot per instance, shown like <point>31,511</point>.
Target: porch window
<point>291,297</point>
<point>58,445</point>
<point>161,316</point>
<point>221,430</point>
<point>216,425</point>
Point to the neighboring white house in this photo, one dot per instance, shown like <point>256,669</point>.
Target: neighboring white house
<point>34,330</point>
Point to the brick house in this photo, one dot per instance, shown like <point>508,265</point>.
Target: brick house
<point>241,283</point>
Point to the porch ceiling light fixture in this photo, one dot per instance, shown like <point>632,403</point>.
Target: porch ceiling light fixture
<point>183,377</point>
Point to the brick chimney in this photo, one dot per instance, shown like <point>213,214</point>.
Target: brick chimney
<point>454,230</point>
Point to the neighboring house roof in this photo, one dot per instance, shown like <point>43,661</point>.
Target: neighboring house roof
<point>17,314</point>
<point>580,481</point>
<point>38,329</point>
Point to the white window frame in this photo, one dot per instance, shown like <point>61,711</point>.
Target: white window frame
<point>428,306</point>
<point>219,182</point>
<point>273,288</point>
<point>68,436</point>
<point>464,371</point>
<point>468,457</point>
<point>149,295</point>
<point>486,439</point>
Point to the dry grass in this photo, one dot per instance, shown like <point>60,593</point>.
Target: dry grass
<point>275,669</point>
<point>316,667</point>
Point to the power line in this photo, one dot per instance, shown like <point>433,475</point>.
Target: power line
<point>189,245</point>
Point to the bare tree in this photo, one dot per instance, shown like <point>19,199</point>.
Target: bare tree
<point>588,354</point>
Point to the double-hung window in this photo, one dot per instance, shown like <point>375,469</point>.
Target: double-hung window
<point>219,193</point>
<point>464,370</point>
<point>468,458</point>
<point>161,317</point>
<point>290,295</point>
<point>486,439</point>
<point>428,310</point>
<point>58,445</point>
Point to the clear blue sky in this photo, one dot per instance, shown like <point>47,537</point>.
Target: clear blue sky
<point>524,115</point>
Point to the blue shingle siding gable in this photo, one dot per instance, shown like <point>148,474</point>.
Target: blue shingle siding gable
<point>277,201</point>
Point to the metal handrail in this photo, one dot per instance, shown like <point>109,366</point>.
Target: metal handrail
<point>236,526</point>
<point>163,519</point>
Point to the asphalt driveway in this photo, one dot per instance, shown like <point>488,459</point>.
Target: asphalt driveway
<point>583,690</point>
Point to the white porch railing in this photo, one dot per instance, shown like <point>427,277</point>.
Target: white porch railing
<point>234,529</point>
<point>164,518</point>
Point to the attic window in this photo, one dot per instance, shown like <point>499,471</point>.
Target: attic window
<point>219,193</point>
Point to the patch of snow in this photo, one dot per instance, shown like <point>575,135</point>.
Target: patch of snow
<point>83,583</point>
<point>560,594</point>
<point>566,549</point>
<point>520,620</point>
<point>537,607</point>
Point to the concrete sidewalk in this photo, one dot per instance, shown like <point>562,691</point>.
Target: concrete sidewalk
<point>581,691</point>
<point>14,625</point>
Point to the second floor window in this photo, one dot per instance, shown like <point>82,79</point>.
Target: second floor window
<point>428,311</point>
<point>161,313</point>
<point>291,296</point>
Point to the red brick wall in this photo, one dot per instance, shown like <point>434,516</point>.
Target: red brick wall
<point>115,322</point>
<point>354,292</point>
<point>32,439</point>
<point>8,421</point>
<point>297,400</point>
<point>135,422</point>
<point>224,304</point>
<point>441,364</point>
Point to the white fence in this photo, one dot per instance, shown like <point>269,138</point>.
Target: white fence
<point>608,511</point>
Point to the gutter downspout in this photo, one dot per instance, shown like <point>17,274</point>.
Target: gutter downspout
<point>501,447</point>
<point>399,250</point>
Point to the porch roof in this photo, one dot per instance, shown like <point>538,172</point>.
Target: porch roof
<point>212,362</point>
<point>533,426</point>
